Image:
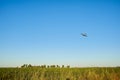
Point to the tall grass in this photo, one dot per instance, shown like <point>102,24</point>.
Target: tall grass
<point>37,73</point>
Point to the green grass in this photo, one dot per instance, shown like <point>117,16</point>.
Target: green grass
<point>37,73</point>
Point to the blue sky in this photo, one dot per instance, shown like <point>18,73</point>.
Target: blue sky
<point>48,32</point>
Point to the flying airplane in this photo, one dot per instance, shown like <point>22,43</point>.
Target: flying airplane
<point>84,34</point>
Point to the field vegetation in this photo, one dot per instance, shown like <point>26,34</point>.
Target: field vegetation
<point>29,72</point>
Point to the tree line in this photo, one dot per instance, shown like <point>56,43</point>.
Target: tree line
<point>45,66</point>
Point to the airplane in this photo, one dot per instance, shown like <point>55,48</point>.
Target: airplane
<point>84,34</point>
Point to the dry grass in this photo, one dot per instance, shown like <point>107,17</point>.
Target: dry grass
<point>37,73</point>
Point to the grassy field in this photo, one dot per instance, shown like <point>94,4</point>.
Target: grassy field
<point>38,73</point>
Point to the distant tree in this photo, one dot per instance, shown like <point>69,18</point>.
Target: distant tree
<point>44,66</point>
<point>118,66</point>
<point>52,66</point>
<point>48,66</point>
<point>62,66</point>
<point>58,66</point>
<point>24,66</point>
<point>29,65</point>
<point>68,66</point>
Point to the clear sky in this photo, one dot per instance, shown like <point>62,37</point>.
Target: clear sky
<point>48,32</point>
